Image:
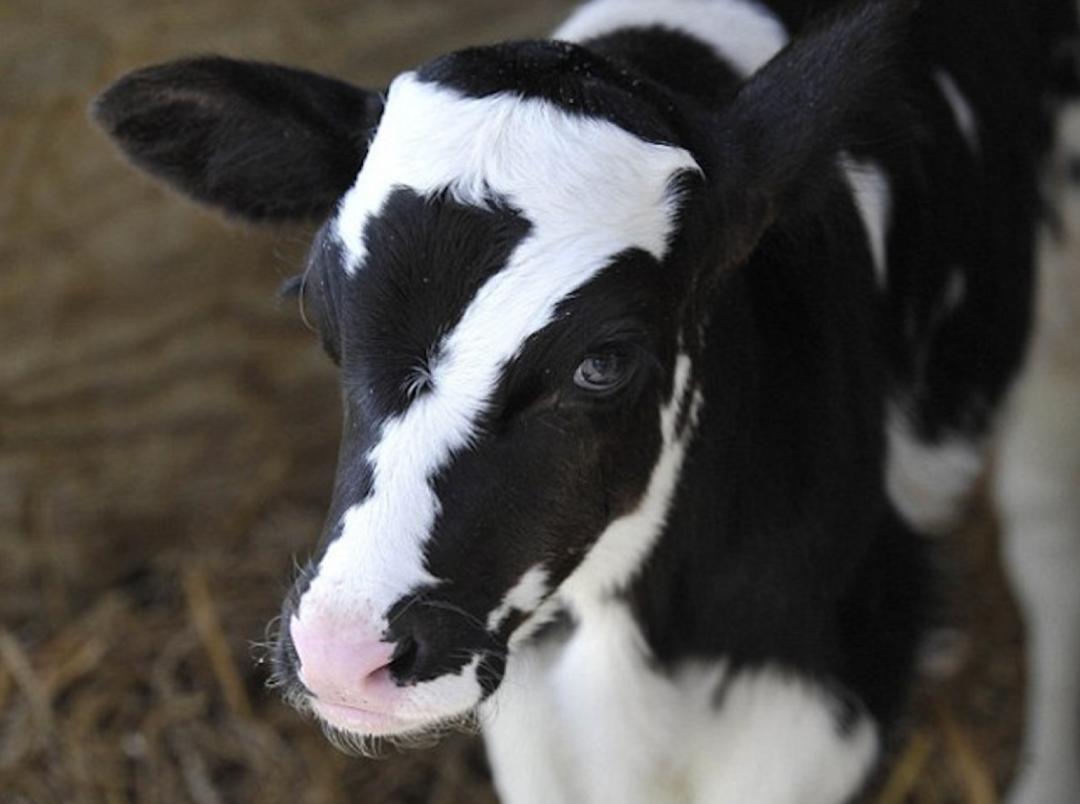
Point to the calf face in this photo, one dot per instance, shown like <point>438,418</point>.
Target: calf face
<point>519,249</point>
<point>505,331</point>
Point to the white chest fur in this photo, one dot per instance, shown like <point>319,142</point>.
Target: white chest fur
<point>591,720</point>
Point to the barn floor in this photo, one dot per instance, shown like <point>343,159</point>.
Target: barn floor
<point>167,439</point>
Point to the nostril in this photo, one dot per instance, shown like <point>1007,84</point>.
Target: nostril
<point>406,658</point>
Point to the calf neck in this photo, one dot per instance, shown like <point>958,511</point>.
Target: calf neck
<point>663,344</point>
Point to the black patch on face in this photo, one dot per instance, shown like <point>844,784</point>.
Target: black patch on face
<point>426,257</point>
<point>550,468</point>
<point>553,466</point>
<point>576,79</point>
<point>319,290</point>
<point>673,60</point>
<point>435,635</point>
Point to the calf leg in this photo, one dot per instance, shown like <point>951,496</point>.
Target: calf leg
<point>1038,489</point>
<point>1039,492</point>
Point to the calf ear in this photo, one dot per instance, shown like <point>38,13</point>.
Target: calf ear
<point>779,138</point>
<point>258,141</point>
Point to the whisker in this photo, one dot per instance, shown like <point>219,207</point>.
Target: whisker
<point>446,606</point>
<point>414,598</point>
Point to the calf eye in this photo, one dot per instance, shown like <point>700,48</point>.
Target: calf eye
<point>602,373</point>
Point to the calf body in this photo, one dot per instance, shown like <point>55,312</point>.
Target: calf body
<point>663,346</point>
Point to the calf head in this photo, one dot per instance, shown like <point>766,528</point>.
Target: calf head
<point>518,247</point>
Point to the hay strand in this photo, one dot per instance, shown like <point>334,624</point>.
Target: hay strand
<point>904,779</point>
<point>207,624</point>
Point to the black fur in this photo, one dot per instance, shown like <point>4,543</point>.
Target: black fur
<point>570,76</point>
<point>255,140</point>
<point>781,546</point>
<point>428,257</point>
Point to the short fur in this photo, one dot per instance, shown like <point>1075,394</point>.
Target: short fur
<point>814,280</point>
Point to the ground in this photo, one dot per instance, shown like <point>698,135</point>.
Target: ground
<point>167,441</point>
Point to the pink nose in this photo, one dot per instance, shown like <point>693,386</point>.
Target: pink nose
<point>339,663</point>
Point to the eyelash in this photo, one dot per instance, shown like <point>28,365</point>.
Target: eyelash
<point>319,323</point>
<point>331,349</point>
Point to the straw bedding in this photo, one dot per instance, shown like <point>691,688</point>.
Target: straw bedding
<point>167,438</point>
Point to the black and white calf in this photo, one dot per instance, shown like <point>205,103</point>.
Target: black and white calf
<point>663,345</point>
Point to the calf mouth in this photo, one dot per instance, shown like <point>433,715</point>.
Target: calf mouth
<point>387,712</point>
<point>364,729</point>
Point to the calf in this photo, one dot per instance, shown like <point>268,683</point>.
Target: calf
<point>663,345</point>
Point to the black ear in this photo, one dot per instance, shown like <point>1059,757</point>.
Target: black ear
<point>259,141</point>
<point>781,134</point>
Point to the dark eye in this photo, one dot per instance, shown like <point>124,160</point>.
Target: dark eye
<point>602,373</point>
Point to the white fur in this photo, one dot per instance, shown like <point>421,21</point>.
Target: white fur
<point>557,715</point>
<point>526,742</point>
<point>593,722</point>
<point>929,483</point>
<point>777,740</point>
<point>590,190</point>
<point>612,729</point>
<point>747,35</point>
<point>1039,493</point>
<point>1038,489</point>
<point>575,178</point>
<point>525,596</point>
<point>966,122</point>
<point>448,696</point>
<point>419,711</point>
<point>873,199</point>
<point>624,546</point>
<point>742,32</point>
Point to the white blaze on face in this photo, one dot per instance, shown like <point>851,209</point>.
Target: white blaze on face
<point>589,189</point>
<point>525,596</point>
<point>622,548</point>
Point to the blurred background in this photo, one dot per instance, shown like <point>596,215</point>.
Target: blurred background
<point>168,433</point>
